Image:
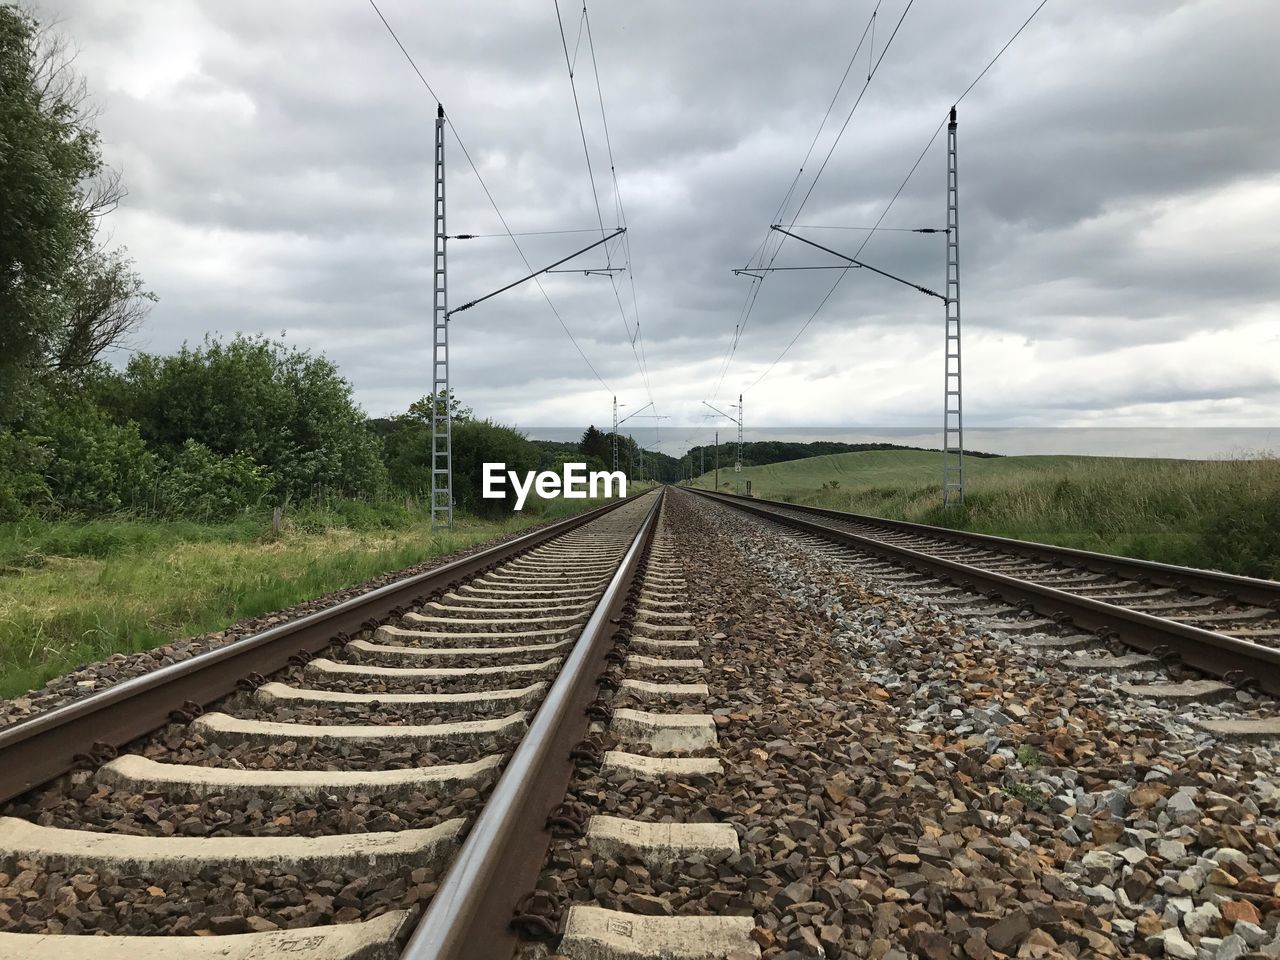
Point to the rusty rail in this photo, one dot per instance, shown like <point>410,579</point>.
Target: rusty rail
<point>1264,593</point>
<point>470,916</point>
<point>1213,653</point>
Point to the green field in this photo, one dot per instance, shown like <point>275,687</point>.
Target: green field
<point>75,592</point>
<point>1221,514</point>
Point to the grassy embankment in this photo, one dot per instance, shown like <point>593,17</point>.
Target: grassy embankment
<point>75,592</point>
<point>1221,514</point>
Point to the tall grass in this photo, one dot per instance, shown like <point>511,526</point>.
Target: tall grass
<point>71,594</point>
<point>1220,514</point>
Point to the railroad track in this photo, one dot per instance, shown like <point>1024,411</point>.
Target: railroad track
<point>649,726</point>
<point>308,791</point>
<point>1224,625</point>
<point>383,779</point>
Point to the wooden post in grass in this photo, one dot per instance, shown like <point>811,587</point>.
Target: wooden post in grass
<point>277,515</point>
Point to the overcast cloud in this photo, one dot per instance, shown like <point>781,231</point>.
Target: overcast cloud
<point>1119,196</point>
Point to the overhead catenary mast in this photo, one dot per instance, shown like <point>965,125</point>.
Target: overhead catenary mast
<point>737,467</point>
<point>737,464</point>
<point>617,423</point>
<point>952,406</point>
<point>645,416</point>
<point>952,419</point>
<point>441,415</point>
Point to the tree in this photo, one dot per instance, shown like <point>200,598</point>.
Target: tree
<point>595,443</point>
<point>63,299</point>
<point>105,302</point>
<point>421,409</point>
<point>42,226</point>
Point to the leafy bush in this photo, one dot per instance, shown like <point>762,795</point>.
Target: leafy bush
<point>23,461</point>
<point>288,411</point>
<point>94,465</point>
<point>199,483</point>
<point>477,442</point>
<point>407,441</point>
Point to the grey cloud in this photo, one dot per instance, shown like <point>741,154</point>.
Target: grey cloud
<point>299,145</point>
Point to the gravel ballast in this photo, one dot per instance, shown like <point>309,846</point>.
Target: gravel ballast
<point>905,783</point>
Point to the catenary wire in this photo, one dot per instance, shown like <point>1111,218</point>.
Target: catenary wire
<point>493,203</point>
<point>753,290</point>
<point>836,142</point>
<point>403,50</point>
<point>910,173</point>
<point>638,336</point>
<point>897,193</point>
<point>573,86</point>
<point>754,293</point>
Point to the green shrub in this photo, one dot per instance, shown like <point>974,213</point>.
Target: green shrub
<point>477,442</point>
<point>199,483</point>
<point>288,411</point>
<point>95,466</point>
<point>407,440</point>
<point>23,461</point>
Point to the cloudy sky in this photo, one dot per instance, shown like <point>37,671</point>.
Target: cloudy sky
<point>1119,196</point>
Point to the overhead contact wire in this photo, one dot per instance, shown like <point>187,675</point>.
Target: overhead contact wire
<point>897,193</point>
<point>503,220</point>
<point>754,293</point>
<point>620,209</point>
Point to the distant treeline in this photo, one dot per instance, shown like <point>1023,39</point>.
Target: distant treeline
<point>596,450</point>
<point>761,452</point>
<point>240,424</point>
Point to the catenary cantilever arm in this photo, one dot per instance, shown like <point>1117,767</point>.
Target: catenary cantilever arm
<point>842,256</point>
<point>719,411</point>
<point>635,413</point>
<point>516,283</point>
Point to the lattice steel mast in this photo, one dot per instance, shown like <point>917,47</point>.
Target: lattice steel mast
<point>952,419</point>
<point>952,407</point>
<point>441,414</point>
<point>737,463</point>
<point>737,467</point>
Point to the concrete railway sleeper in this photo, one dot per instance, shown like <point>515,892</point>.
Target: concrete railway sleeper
<point>318,810</point>
<point>653,731</point>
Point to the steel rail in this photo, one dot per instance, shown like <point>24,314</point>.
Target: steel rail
<point>40,748</point>
<point>469,917</point>
<point>1265,593</point>
<point>1213,653</point>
